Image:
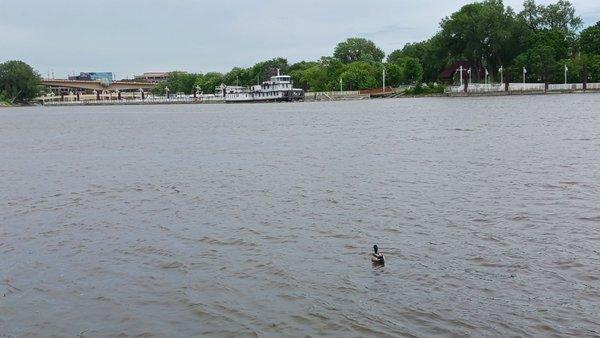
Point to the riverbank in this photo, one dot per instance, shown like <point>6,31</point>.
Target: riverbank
<point>313,97</point>
<point>521,93</point>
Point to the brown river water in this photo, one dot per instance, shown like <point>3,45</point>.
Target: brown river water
<point>258,220</point>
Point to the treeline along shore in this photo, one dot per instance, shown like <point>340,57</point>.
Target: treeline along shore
<point>491,41</point>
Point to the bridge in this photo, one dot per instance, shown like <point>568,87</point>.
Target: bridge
<point>98,85</point>
<point>102,90</point>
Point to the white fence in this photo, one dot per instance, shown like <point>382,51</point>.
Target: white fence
<point>520,87</point>
<point>149,100</point>
<point>338,93</point>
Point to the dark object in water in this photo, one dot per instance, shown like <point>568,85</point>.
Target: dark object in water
<point>376,257</point>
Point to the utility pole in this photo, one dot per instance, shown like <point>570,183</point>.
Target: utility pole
<point>384,79</point>
<point>470,76</point>
<point>501,77</point>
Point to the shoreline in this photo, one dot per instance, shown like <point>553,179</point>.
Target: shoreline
<point>175,102</point>
<point>522,93</point>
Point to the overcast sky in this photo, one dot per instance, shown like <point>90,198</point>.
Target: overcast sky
<point>134,36</point>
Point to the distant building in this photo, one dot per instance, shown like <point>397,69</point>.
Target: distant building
<point>106,77</point>
<point>153,77</point>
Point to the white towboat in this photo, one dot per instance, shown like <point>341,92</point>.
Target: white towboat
<point>278,88</point>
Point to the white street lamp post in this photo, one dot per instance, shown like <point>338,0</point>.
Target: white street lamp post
<point>384,79</point>
<point>470,77</point>
<point>461,75</point>
<point>486,76</point>
<point>524,73</point>
<point>501,77</point>
<point>566,71</point>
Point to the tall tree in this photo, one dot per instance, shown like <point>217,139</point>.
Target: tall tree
<point>18,81</point>
<point>393,74</point>
<point>264,70</point>
<point>561,16</point>
<point>555,16</point>
<point>531,14</point>
<point>209,81</point>
<point>412,71</point>
<point>487,34</point>
<point>432,54</point>
<point>358,49</point>
<point>315,79</point>
<point>360,75</point>
<point>589,40</point>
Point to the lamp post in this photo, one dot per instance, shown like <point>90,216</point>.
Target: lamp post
<point>524,73</point>
<point>501,77</point>
<point>384,79</point>
<point>470,77</point>
<point>167,93</point>
<point>566,71</point>
<point>341,86</point>
<point>487,73</point>
<point>460,69</point>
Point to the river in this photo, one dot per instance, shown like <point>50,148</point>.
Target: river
<point>258,220</point>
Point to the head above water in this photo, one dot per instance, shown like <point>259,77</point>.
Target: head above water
<point>375,248</point>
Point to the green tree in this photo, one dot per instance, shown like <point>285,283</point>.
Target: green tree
<point>554,39</point>
<point>315,78</point>
<point>358,49</point>
<point>302,65</point>
<point>412,71</point>
<point>539,62</point>
<point>209,81</point>
<point>557,16</point>
<point>334,69</point>
<point>593,65</point>
<point>360,75</point>
<point>18,82</point>
<point>486,33</point>
<point>589,40</point>
<point>415,50</point>
<point>531,14</point>
<point>264,70</point>
<point>299,73</point>
<point>575,70</point>
<point>393,74</point>
<point>561,16</point>
<point>239,77</point>
<point>177,82</point>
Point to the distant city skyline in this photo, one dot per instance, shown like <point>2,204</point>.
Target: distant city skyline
<point>133,37</point>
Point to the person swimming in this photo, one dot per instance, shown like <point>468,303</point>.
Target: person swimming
<point>376,257</point>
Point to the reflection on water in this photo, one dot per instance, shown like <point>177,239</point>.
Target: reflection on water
<point>259,219</point>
